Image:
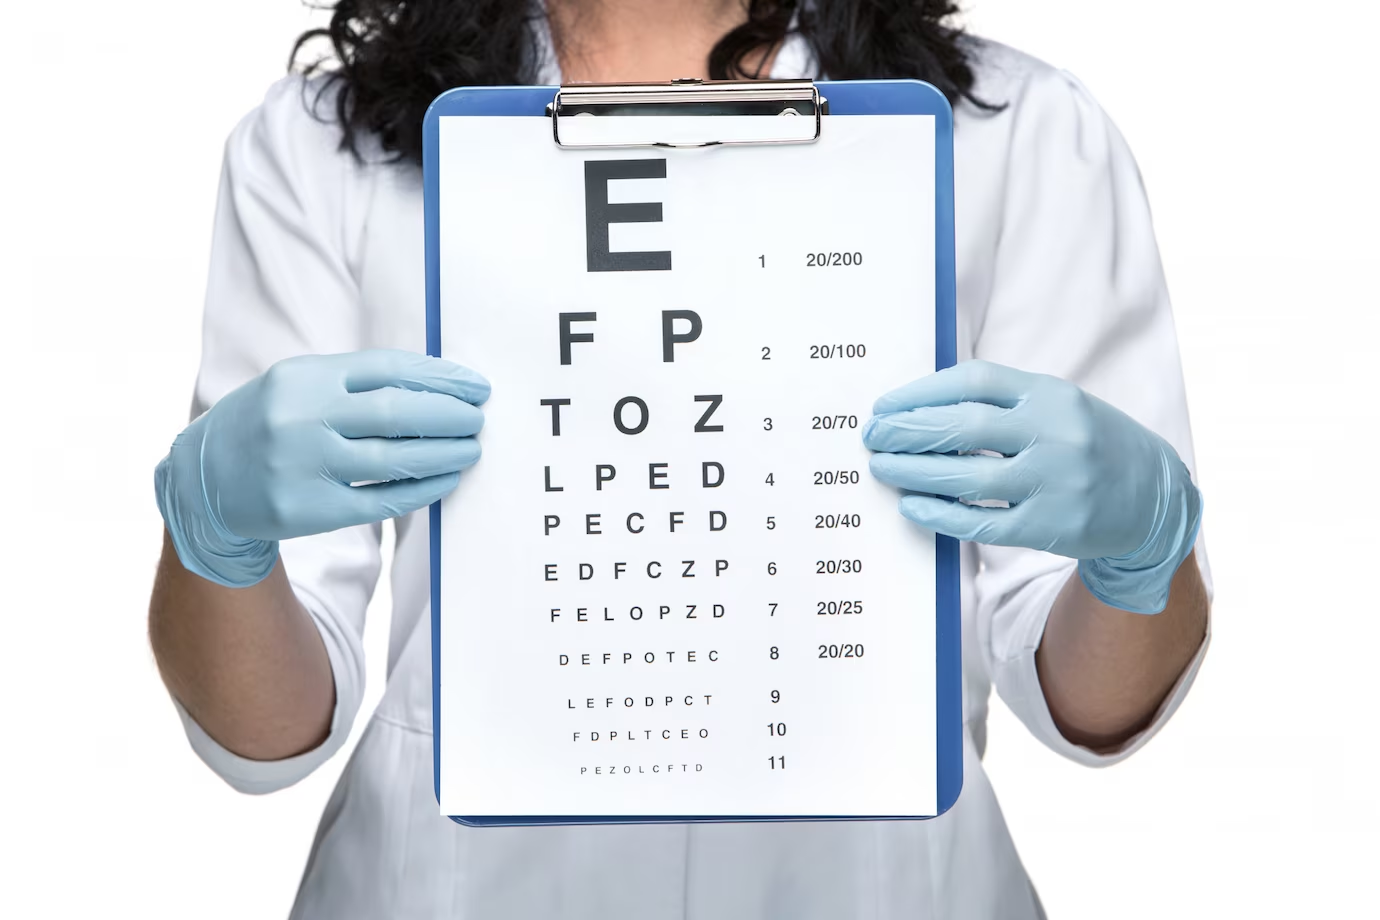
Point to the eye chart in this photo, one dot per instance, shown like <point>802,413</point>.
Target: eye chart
<point>671,588</point>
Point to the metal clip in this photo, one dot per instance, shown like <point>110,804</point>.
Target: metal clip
<point>755,108</point>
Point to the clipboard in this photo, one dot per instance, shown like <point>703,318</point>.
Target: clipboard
<point>802,111</point>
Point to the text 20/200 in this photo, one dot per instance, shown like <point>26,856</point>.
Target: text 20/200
<point>832,259</point>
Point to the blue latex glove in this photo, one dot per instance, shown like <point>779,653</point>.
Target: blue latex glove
<point>274,459</point>
<point>1082,478</point>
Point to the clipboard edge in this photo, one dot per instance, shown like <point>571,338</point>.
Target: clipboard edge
<point>853,97</point>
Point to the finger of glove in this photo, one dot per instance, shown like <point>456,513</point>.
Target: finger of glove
<point>393,459</point>
<point>973,478</point>
<point>971,381</point>
<point>945,429</point>
<point>963,522</point>
<point>392,412</point>
<point>385,500</point>
<point>385,367</point>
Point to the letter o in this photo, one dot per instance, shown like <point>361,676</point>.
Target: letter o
<point>618,415</point>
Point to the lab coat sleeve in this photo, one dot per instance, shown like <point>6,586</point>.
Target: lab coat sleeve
<point>281,283</point>
<point>1078,292</point>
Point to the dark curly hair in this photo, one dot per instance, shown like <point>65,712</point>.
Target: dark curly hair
<point>391,58</point>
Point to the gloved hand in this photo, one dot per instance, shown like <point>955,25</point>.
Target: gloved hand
<point>275,458</point>
<point>1083,479</point>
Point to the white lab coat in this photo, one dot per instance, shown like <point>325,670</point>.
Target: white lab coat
<point>1058,272</point>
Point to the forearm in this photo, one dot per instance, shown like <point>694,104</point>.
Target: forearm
<point>1105,671</point>
<point>247,663</point>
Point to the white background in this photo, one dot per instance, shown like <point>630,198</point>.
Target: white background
<point>1254,124</point>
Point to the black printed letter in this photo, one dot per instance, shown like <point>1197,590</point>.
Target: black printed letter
<point>555,405</point>
<point>567,337</point>
<point>618,415</point>
<point>599,214</point>
<point>714,402</point>
<point>670,338</point>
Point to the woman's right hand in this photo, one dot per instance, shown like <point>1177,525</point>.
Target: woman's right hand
<point>275,458</point>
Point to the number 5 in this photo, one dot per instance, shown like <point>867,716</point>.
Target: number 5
<point>771,523</point>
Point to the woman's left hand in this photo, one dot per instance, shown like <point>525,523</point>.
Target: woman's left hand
<point>1082,478</point>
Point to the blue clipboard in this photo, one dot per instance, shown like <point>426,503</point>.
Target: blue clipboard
<point>861,97</point>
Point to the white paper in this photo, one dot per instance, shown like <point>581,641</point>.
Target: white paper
<point>590,129</point>
<point>523,734</point>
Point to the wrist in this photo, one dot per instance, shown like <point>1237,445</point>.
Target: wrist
<point>1139,581</point>
<point>204,545</point>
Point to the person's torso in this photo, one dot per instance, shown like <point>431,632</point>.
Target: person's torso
<point>384,849</point>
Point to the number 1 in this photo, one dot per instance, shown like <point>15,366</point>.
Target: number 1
<point>763,260</point>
